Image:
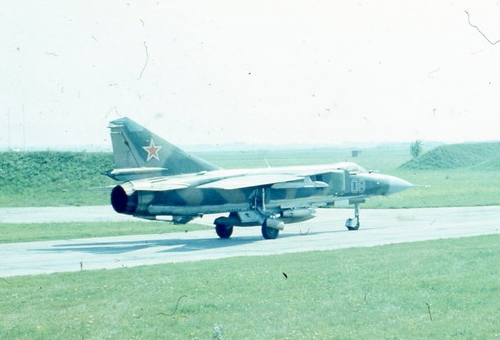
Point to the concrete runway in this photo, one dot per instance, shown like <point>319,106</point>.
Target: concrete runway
<point>325,232</point>
<point>103,213</point>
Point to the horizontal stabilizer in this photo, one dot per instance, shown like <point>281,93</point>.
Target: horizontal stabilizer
<point>127,174</point>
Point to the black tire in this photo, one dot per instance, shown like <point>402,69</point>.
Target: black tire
<point>223,231</point>
<point>269,233</point>
<point>356,227</point>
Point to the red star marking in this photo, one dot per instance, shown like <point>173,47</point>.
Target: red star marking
<point>152,150</point>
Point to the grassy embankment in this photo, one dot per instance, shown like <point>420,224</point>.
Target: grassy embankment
<point>31,179</point>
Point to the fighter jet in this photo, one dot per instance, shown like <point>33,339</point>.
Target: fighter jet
<point>161,181</point>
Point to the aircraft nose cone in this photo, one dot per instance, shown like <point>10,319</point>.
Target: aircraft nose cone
<point>397,184</point>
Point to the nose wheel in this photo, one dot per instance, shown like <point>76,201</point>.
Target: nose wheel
<point>353,223</point>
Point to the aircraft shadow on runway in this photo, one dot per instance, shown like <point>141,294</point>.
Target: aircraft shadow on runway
<point>173,245</point>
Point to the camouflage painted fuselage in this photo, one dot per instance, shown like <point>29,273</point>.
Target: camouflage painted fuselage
<point>162,180</point>
<point>206,193</point>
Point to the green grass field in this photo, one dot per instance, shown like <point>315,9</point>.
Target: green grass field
<point>28,232</point>
<point>426,290</point>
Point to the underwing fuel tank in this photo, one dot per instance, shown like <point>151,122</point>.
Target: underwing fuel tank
<point>297,215</point>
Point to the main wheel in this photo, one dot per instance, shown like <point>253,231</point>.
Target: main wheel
<point>352,224</point>
<point>269,233</point>
<point>223,231</point>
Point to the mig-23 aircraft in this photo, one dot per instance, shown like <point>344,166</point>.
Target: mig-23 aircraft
<point>162,180</point>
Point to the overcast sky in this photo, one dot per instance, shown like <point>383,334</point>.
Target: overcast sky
<point>259,71</point>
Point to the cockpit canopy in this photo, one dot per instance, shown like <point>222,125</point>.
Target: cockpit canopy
<point>351,167</point>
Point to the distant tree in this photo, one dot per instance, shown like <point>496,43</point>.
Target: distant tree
<point>416,148</point>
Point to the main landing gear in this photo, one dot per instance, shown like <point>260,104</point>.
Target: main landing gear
<point>223,231</point>
<point>270,225</point>
<point>270,229</point>
<point>353,223</point>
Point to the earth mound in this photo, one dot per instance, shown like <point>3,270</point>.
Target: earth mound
<point>452,156</point>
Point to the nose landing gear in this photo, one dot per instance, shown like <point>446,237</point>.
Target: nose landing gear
<point>353,223</point>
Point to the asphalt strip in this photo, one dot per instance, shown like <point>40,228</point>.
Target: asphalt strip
<point>325,232</point>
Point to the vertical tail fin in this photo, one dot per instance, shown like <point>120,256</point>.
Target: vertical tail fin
<point>140,153</point>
